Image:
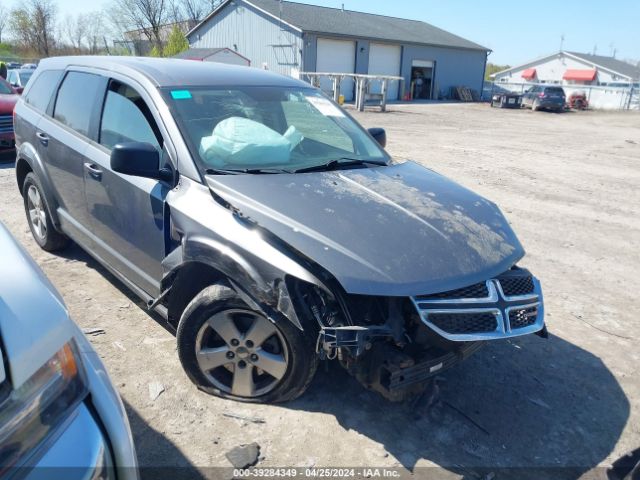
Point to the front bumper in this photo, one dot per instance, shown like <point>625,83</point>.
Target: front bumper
<point>78,451</point>
<point>507,306</point>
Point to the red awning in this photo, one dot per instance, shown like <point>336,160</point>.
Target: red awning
<point>529,73</point>
<point>580,75</point>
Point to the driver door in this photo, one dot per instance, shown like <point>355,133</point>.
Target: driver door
<point>127,212</point>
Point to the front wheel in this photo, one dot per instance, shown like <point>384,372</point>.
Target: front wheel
<point>231,351</point>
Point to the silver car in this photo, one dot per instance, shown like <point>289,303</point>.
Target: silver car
<point>59,413</point>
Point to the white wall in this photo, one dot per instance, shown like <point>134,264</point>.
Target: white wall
<point>551,70</point>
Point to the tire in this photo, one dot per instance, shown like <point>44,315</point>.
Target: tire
<point>37,210</point>
<point>203,327</point>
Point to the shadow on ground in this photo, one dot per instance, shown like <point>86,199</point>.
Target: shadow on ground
<point>158,457</point>
<point>528,408</point>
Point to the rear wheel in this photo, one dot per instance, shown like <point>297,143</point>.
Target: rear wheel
<point>37,210</point>
<point>232,351</point>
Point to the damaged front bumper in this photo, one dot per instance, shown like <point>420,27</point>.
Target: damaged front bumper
<point>438,331</point>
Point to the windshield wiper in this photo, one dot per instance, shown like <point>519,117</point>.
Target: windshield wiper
<point>241,171</point>
<point>340,162</point>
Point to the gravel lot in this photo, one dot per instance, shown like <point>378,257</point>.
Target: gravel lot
<point>570,185</point>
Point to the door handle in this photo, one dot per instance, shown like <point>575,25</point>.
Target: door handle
<point>93,171</point>
<point>44,139</point>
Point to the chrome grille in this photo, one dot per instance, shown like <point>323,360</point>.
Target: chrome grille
<point>516,285</point>
<point>465,322</point>
<point>506,306</point>
<point>6,123</point>
<point>522,317</point>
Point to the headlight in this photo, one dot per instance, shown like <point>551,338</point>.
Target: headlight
<point>40,405</point>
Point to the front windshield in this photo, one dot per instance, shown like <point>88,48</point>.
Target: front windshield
<point>261,128</point>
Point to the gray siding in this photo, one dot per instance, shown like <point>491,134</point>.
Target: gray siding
<point>453,66</point>
<point>253,34</point>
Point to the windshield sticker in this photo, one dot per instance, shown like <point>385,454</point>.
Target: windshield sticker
<point>325,107</point>
<point>180,94</point>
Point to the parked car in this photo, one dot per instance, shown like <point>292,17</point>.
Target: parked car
<point>266,225</point>
<point>541,97</point>
<point>12,65</point>
<point>58,408</point>
<point>506,100</point>
<point>578,101</point>
<point>31,66</point>
<point>8,99</point>
<point>19,78</point>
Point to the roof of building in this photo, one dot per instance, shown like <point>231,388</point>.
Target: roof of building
<point>606,63</point>
<point>335,21</point>
<point>174,72</point>
<point>610,63</point>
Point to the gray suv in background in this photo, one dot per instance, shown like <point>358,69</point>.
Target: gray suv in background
<point>267,226</point>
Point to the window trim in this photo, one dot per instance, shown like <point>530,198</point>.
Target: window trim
<point>103,103</point>
<point>91,128</point>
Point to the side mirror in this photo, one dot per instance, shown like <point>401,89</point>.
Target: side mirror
<point>379,135</point>
<point>136,158</point>
<point>19,90</point>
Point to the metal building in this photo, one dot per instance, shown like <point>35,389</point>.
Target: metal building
<point>289,38</point>
<point>572,68</point>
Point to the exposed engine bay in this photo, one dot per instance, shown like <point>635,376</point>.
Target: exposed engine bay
<point>395,345</point>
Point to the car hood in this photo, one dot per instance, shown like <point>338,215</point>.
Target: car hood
<point>397,230</point>
<point>34,323</point>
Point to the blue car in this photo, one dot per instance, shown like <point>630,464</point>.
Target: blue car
<point>541,97</point>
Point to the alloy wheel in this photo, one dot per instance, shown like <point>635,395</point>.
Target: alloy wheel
<point>242,353</point>
<point>37,213</point>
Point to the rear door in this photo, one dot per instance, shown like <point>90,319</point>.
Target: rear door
<point>127,212</point>
<point>62,142</point>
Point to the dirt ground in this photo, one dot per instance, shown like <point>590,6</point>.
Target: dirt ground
<point>570,185</point>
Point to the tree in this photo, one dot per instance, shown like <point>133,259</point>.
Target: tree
<point>34,25</point>
<point>176,43</point>
<point>148,16</point>
<point>493,68</point>
<point>4,17</point>
<point>74,30</point>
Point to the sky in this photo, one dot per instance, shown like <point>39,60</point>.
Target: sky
<point>516,31</point>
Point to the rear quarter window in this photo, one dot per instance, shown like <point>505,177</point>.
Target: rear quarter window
<point>42,89</point>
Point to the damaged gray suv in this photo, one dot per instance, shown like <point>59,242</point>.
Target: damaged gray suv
<point>267,227</point>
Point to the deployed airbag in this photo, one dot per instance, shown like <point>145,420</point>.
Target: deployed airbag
<point>241,141</point>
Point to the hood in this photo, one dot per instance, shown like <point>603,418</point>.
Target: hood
<point>8,102</point>
<point>34,323</point>
<point>400,230</point>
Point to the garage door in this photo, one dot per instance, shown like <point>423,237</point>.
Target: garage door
<point>385,60</point>
<point>337,56</point>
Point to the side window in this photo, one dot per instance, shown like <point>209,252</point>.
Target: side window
<point>42,89</point>
<point>127,118</point>
<point>75,102</point>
